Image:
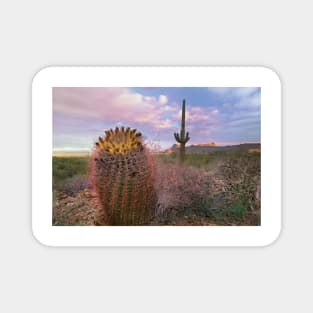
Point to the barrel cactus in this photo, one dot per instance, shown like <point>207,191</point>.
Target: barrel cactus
<point>123,176</point>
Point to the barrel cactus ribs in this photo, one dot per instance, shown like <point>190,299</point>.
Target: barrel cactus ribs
<point>123,176</point>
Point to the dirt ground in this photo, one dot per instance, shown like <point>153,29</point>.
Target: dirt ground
<point>80,210</point>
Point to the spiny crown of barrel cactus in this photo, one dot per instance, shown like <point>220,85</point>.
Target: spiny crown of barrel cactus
<point>123,177</point>
<point>120,141</point>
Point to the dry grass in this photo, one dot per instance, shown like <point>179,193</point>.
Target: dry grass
<point>227,193</point>
<point>213,189</point>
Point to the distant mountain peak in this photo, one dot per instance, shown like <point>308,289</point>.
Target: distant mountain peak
<point>212,144</point>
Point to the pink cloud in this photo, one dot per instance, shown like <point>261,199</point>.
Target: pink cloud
<point>112,104</point>
<point>198,114</point>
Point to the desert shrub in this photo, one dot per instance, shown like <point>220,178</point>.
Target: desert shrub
<point>232,185</point>
<point>238,180</point>
<point>236,210</point>
<point>75,184</point>
<point>181,189</point>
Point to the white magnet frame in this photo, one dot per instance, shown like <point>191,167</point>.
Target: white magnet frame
<point>271,165</point>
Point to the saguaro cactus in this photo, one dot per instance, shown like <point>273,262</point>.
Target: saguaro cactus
<point>183,137</point>
<point>123,177</point>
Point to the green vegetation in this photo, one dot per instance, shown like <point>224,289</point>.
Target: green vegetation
<point>67,167</point>
<point>215,188</point>
<point>205,160</point>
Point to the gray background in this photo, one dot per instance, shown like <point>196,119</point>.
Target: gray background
<point>35,34</point>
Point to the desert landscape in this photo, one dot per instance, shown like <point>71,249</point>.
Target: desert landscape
<point>126,178</point>
<point>220,186</point>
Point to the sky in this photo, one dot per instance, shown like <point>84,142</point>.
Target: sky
<point>224,115</point>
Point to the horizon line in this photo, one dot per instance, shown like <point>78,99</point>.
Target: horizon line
<point>87,150</point>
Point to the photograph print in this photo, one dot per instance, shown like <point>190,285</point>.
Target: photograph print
<point>156,156</point>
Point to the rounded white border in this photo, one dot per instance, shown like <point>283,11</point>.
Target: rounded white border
<point>262,77</point>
